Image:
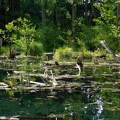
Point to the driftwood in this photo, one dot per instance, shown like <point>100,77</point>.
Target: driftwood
<point>60,77</point>
<point>51,116</point>
<point>114,90</point>
<point>62,86</point>
<point>64,80</point>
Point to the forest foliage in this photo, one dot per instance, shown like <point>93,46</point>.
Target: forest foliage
<point>32,27</point>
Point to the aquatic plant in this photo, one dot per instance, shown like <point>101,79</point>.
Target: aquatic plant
<point>64,53</point>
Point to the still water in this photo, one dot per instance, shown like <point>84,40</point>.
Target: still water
<point>99,99</point>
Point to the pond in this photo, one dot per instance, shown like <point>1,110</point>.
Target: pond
<point>97,99</point>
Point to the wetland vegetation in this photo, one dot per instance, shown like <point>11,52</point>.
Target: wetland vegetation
<point>60,59</point>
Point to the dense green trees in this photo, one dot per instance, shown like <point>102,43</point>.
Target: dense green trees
<point>108,24</point>
<point>79,24</point>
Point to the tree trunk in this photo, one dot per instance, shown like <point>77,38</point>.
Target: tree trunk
<point>118,16</point>
<point>56,15</point>
<point>118,9</point>
<point>0,44</point>
<point>73,19</point>
<point>43,12</point>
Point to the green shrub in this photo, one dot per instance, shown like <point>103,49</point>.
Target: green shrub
<point>63,53</point>
<point>21,33</point>
<point>4,51</point>
<point>50,35</point>
<point>102,53</point>
<point>36,49</point>
<point>87,54</point>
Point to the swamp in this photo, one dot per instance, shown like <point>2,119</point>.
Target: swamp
<point>94,95</point>
<point>59,59</point>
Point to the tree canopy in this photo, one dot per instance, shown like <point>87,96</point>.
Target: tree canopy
<point>79,24</point>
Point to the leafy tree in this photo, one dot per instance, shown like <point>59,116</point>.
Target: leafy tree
<point>107,24</point>
<point>50,37</point>
<point>60,23</point>
<point>21,33</point>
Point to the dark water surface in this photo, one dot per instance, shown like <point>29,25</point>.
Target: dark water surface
<point>99,99</point>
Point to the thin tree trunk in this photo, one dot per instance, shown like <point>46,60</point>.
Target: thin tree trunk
<point>0,44</point>
<point>118,9</point>
<point>73,19</point>
<point>86,13</point>
<point>43,12</point>
<point>56,15</point>
<point>118,16</point>
<point>118,12</point>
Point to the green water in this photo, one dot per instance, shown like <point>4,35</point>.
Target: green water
<point>99,99</point>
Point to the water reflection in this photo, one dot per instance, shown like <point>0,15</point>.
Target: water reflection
<point>77,106</point>
<point>88,103</point>
<point>94,109</point>
<point>71,105</point>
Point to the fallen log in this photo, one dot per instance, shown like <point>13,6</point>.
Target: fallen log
<point>36,86</point>
<point>4,85</point>
<point>60,77</point>
<point>51,116</point>
<point>114,90</point>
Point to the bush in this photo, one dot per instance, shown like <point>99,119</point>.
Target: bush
<point>87,54</point>
<point>63,53</point>
<point>50,35</point>
<point>20,33</point>
<point>36,49</point>
<point>4,51</point>
<point>100,52</point>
